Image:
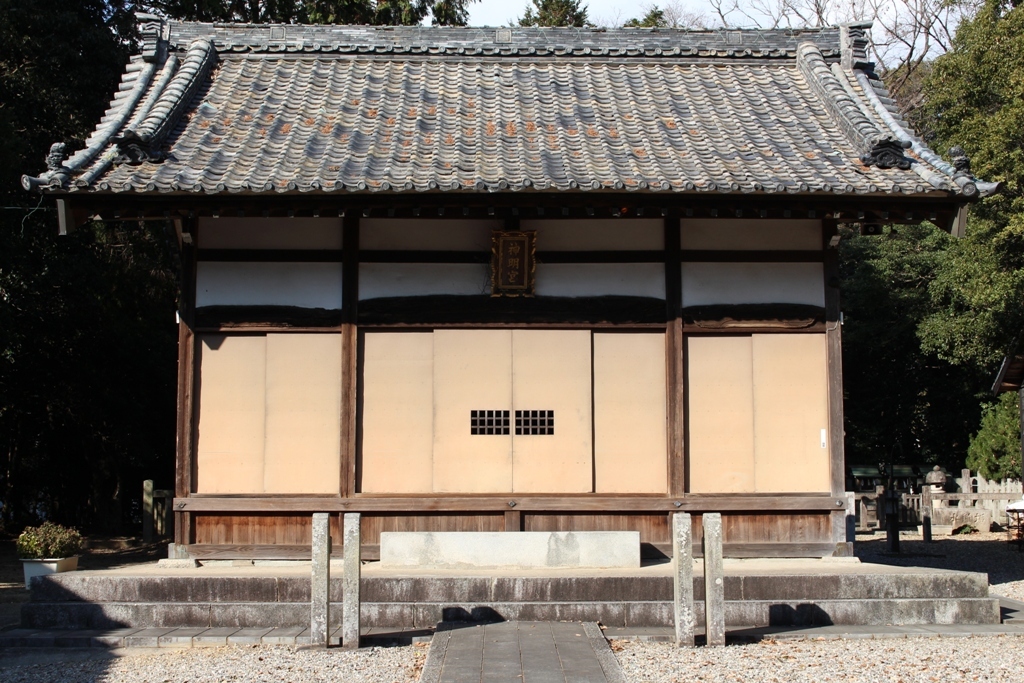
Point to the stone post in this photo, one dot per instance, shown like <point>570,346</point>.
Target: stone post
<point>147,511</point>
<point>320,617</point>
<point>714,579</point>
<point>682,575</point>
<point>350,585</point>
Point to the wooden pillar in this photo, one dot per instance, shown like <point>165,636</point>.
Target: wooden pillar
<point>1020,407</point>
<point>675,361</point>
<point>349,350</point>
<point>185,436</point>
<point>682,578</point>
<point>926,513</point>
<point>834,351</point>
<point>147,511</point>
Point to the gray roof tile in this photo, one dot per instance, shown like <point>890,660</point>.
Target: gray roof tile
<point>259,109</point>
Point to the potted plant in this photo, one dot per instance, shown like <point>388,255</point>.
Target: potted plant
<point>48,549</point>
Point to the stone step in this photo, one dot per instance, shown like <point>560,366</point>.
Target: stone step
<point>420,614</point>
<point>189,588</point>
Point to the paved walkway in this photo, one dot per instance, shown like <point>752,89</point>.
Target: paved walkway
<point>521,652</point>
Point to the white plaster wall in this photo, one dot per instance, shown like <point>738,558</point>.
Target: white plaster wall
<point>753,283</point>
<point>601,279</point>
<point>750,235</point>
<point>270,233</point>
<point>428,234</point>
<point>308,285</point>
<point>377,280</point>
<point>623,234</point>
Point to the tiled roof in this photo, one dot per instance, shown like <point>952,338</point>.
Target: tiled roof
<point>214,108</point>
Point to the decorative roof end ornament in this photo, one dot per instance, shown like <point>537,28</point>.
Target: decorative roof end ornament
<point>961,162</point>
<point>887,153</point>
<point>855,46</point>
<point>56,156</point>
<point>57,174</point>
<point>152,29</point>
<point>133,150</point>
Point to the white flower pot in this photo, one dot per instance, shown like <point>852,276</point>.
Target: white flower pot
<point>48,566</point>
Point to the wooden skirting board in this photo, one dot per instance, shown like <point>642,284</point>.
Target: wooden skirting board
<point>209,551</point>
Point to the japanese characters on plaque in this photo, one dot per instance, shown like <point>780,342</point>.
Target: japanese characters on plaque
<point>513,263</point>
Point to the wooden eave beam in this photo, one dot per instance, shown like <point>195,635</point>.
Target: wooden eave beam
<point>883,209</point>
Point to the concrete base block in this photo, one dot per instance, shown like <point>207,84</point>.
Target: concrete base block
<point>954,518</point>
<point>527,549</point>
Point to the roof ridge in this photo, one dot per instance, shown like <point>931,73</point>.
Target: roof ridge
<point>547,41</point>
<point>876,147</point>
<point>138,144</point>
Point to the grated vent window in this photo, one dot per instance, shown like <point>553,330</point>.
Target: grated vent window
<point>535,422</point>
<point>488,422</point>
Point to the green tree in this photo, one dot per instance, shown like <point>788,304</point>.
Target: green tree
<point>555,13</point>
<point>901,401</point>
<point>655,18</point>
<point>376,12</point>
<point>995,450</point>
<point>87,334</point>
<point>974,98</point>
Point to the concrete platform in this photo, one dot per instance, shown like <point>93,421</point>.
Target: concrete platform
<point>456,550</point>
<point>759,593</point>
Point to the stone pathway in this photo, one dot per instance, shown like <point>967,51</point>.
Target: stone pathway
<point>521,652</point>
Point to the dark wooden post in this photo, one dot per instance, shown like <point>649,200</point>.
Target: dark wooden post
<point>349,350</point>
<point>834,346</point>
<point>675,358</point>
<point>186,384</point>
<point>926,513</point>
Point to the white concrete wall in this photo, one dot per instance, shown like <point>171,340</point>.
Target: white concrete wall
<point>269,233</point>
<point>307,285</point>
<point>377,280</point>
<point>753,234</point>
<point>428,234</point>
<point>600,279</point>
<point>753,283</point>
<point>622,234</point>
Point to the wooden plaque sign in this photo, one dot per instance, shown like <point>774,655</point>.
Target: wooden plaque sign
<point>513,263</point>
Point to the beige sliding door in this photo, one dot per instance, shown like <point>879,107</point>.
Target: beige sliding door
<point>398,413</point>
<point>472,372</point>
<point>630,437</point>
<point>552,449</point>
<point>269,414</point>
<point>758,413</point>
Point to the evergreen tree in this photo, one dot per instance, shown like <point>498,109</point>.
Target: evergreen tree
<point>995,450</point>
<point>555,13</point>
<point>375,12</point>
<point>655,18</point>
<point>975,99</point>
<point>87,333</point>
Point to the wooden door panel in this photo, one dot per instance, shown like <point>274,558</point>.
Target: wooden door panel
<point>721,414</point>
<point>472,371</point>
<point>551,371</point>
<point>630,429</point>
<point>790,391</point>
<point>398,413</point>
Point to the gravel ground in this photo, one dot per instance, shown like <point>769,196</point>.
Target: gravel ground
<point>252,664</point>
<point>916,660</point>
<point>928,660</point>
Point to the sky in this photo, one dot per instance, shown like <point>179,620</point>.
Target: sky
<point>604,12</point>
